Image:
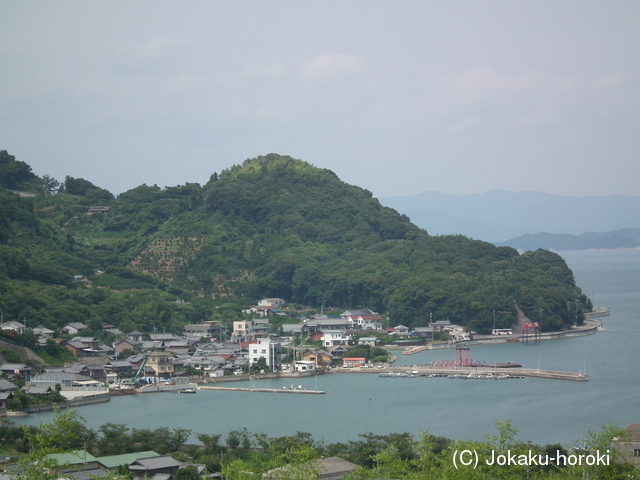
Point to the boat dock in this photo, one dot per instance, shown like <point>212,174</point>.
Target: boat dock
<point>266,390</point>
<point>520,372</point>
<point>427,370</point>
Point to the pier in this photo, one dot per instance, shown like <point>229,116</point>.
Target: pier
<point>425,370</point>
<point>265,390</point>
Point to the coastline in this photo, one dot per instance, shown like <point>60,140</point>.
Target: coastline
<point>589,328</point>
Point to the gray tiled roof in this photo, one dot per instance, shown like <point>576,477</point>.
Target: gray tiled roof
<point>154,463</point>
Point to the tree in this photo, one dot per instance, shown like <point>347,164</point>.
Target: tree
<point>14,174</point>
<point>115,439</point>
<point>259,366</point>
<point>59,436</point>
<point>211,443</point>
<point>50,184</point>
<point>299,463</point>
<point>190,472</point>
<point>240,470</point>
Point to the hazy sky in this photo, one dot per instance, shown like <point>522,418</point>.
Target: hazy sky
<point>396,97</point>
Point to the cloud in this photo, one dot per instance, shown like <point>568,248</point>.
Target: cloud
<point>611,81</point>
<point>540,116</point>
<point>330,65</point>
<point>157,46</point>
<point>469,123</point>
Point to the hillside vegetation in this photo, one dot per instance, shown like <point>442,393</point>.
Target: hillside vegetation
<point>273,226</point>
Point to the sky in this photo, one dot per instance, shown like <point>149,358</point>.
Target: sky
<point>396,97</point>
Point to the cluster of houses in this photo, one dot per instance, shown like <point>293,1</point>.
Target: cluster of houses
<point>206,349</point>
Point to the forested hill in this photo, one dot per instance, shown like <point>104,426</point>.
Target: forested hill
<point>271,227</point>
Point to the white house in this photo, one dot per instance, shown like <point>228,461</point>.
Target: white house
<point>14,326</point>
<point>271,302</point>
<point>331,338</point>
<point>371,341</point>
<point>304,366</point>
<point>400,331</point>
<point>242,332</point>
<point>265,348</point>
<point>363,319</point>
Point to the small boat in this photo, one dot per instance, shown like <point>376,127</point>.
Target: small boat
<point>187,390</point>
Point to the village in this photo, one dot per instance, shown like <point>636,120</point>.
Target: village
<point>205,352</point>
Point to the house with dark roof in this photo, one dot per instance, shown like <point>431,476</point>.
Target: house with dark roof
<point>66,379</point>
<point>119,366</point>
<point>337,352</point>
<point>6,392</point>
<point>426,332</point>
<point>73,328</point>
<point>4,399</point>
<point>135,335</point>
<point>127,344</point>
<point>207,329</point>
<point>150,466</point>
<point>7,386</point>
<point>628,449</point>
<point>12,369</point>
<point>321,322</point>
<point>177,347</point>
<point>34,390</point>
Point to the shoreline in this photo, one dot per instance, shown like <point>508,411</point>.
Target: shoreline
<point>591,327</point>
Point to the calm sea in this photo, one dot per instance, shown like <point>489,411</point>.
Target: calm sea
<point>544,411</point>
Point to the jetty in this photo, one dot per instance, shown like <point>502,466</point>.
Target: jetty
<point>428,370</point>
<point>266,390</point>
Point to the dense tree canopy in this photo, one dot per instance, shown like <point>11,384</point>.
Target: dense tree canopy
<point>273,226</point>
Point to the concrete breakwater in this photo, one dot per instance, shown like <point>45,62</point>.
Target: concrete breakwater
<point>425,370</point>
<point>265,390</point>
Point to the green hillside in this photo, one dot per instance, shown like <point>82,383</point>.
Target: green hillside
<point>271,227</point>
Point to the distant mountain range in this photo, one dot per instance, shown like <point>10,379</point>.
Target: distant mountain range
<point>509,218</point>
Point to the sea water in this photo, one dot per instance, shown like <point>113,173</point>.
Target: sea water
<point>544,411</point>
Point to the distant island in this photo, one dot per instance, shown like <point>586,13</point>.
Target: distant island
<point>625,238</point>
<point>499,215</point>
